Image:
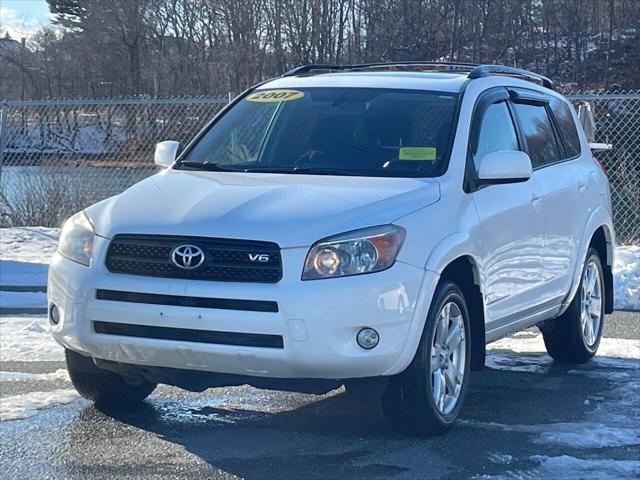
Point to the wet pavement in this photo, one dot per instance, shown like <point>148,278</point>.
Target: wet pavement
<point>524,417</point>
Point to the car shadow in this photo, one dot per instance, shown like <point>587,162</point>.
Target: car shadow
<point>262,434</point>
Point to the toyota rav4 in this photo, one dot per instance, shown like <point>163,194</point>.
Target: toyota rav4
<point>372,226</point>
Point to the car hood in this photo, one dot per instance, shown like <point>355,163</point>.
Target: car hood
<point>291,210</point>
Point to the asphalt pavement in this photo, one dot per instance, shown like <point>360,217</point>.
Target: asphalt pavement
<point>524,418</point>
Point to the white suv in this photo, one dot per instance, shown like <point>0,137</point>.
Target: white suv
<point>372,226</point>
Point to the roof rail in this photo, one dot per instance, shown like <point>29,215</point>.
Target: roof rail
<point>440,66</point>
<point>475,70</point>
<point>482,71</point>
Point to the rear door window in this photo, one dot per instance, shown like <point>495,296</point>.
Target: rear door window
<point>567,126</point>
<point>538,133</point>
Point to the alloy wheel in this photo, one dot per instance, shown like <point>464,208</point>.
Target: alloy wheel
<point>591,305</point>
<point>448,357</point>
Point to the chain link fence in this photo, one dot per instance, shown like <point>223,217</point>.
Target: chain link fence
<point>58,156</point>
<point>617,118</point>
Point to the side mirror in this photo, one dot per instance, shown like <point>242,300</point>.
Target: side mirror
<point>504,166</point>
<point>166,153</point>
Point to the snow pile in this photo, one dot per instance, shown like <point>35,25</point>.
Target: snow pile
<point>27,339</point>
<point>24,257</point>
<point>627,277</point>
<point>22,406</point>
<point>28,244</point>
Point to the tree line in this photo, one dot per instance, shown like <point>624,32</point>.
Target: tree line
<point>161,48</point>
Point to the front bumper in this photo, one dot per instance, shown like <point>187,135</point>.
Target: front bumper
<point>317,320</point>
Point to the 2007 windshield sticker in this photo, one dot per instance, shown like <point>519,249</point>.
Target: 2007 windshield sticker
<point>279,95</point>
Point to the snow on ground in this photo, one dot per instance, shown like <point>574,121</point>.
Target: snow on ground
<point>572,468</point>
<point>27,339</point>
<point>28,244</point>
<point>532,342</point>
<point>23,406</point>
<point>579,468</point>
<point>25,254</point>
<point>60,374</point>
<point>627,277</point>
<point>575,435</point>
<point>87,139</point>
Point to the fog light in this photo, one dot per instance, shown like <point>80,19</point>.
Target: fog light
<point>368,338</point>
<point>54,315</point>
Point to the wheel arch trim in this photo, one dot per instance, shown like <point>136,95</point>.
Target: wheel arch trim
<point>599,219</point>
<point>425,298</point>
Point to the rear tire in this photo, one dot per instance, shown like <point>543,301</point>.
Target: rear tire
<point>574,336</point>
<point>427,397</point>
<point>103,387</point>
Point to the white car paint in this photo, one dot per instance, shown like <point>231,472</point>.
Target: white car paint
<point>527,241</point>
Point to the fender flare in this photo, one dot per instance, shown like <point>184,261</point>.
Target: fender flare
<point>600,217</point>
<point>447,250</point>
<point>450,248</point>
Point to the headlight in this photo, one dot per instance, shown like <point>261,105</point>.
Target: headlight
<point>352,253</point>
<point>76,239</point>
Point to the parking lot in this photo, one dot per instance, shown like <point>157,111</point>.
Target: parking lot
<point>524,418</point>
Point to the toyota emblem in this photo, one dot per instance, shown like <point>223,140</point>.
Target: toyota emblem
<point>187,256</point>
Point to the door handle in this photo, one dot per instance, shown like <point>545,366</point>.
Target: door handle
<point>582,187</point>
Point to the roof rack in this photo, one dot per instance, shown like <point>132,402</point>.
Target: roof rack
<point>482,71</point>
<point>437,66</point>
<point>475,70</point>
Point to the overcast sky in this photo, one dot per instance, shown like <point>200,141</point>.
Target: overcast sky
<point>21,18</point>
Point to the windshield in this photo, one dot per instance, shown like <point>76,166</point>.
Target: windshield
<point>334,131</point>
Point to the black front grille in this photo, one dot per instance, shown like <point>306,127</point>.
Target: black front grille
<point>224,260</point>
<point>190,335</point>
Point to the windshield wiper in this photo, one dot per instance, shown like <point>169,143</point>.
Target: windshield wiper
<point>327,171</point>
<point>216,167</point>
<point>208,166</point>
<point>303,170</point>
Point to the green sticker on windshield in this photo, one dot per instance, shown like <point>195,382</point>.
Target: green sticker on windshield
<point>417,153</point>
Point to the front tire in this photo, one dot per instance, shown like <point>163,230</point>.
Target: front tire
<point>574,337</point>
<point>427,397</point>
<point>103,387</point>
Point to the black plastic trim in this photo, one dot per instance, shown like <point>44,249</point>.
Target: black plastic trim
<point>483,71</point>
<point>471,183</point>
<point>449,67</point>
<point>189,335</point>
<point>193,302</point>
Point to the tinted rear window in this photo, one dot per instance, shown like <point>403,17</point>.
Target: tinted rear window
<point>538,133</point>
<point>346,131</point>
<point>562,113</point>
